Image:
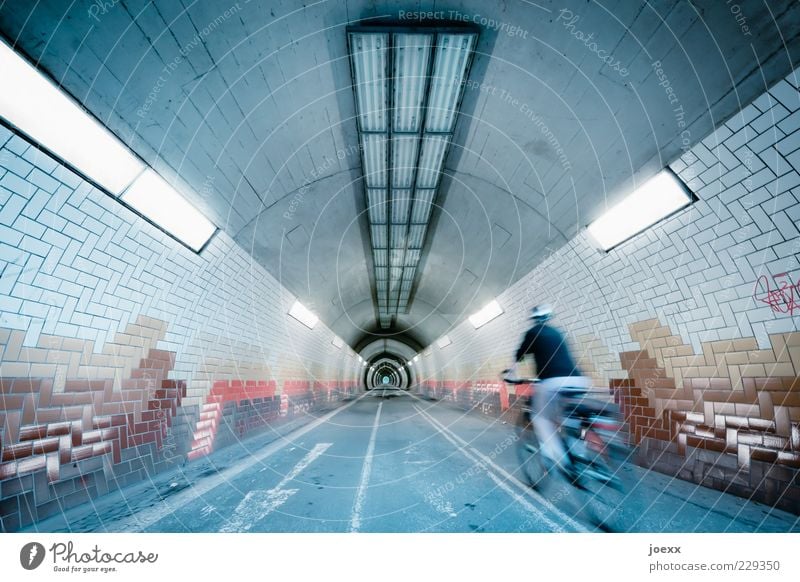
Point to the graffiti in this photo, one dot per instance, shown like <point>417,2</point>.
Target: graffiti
<point>783,298</point>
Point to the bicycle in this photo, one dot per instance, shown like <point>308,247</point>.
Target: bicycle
<point>596,443</point>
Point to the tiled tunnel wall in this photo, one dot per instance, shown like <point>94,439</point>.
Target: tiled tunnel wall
<point>692,325</point>
<point>122,352</point>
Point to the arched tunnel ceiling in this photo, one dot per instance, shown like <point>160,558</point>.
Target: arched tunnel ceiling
<point>397,349</point>
<point>250,106</point>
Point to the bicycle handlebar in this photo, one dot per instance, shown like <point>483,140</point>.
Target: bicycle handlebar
<point>508,380</point>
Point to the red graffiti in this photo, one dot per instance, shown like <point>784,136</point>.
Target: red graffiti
<point>784,298</point>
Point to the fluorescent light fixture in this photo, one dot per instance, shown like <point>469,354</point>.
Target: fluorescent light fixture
<point>376,205</point>
<point>398,234</point>
<point>404,160</point>
<point>155,199</point>
<point>412,257</point>
<point>401,204</point>
<point>404,150</point>
<point>657,198</point>
<point>40,109</point>
<point>303,315</point>
<point>381,273</point>
<point>416,235</point>
<point>337,341</point>
<point>378,235</point>
<point>369,54</point>
<point>396,258</point>
<point>485,315</point>
<point>411,57</point>
<point>379,256</point>
<point>423,202</point>
<point>375,160</point>
<point>443,341</point>
<point>434,148</point>
<point>450,66</point>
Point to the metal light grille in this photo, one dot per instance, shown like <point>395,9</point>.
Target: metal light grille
<point>408,85</point>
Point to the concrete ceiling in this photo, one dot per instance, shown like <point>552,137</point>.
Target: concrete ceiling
<point>248,105</point>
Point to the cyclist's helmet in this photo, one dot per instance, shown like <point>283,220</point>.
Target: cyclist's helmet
<point>541,313</point>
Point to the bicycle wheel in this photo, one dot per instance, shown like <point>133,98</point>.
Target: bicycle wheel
<point>530,459</point>
<point>606,480</point>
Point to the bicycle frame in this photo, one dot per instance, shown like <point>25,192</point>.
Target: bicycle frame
<point>590,430</point>
<point>593,422</point>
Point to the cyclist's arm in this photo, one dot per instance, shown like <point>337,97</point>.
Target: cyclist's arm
<point>511,372</point>
<point>525,346</point>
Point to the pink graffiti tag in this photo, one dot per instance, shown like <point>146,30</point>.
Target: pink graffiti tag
<point>785,298</point>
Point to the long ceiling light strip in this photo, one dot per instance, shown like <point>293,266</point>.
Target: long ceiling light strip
<point>376,205</point>
<point>375,160</point>
<point>453,52</point>
<point>657,198</point>
<point>154,198</point>
<point>369,52</point>
<point>411,71</point>
<point>451,57</point>
<point>412,53</point>
<point>406,118</point>
<point>423,203</point>
<point>41,110</point>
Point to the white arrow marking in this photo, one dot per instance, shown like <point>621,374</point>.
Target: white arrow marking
<point>255,506</point>
<point>258,504</point>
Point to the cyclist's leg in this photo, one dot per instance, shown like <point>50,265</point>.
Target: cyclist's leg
<point>546,420</point>
<point>548,415</point>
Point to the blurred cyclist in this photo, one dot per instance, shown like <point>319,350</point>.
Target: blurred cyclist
<point>556,371</point>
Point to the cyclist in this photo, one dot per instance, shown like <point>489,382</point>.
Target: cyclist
<point>556,371</point>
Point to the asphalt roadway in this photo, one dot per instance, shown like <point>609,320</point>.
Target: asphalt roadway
<point>390,461</point>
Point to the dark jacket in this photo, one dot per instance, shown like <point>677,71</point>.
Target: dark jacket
<point>550,351</point>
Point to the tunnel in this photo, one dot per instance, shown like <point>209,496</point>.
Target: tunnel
<point>264,265</point>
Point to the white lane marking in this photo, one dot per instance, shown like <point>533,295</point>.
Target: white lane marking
<point>485,462</point>
<point>147,517</point>
<point>258,504</point>
<point>310,457</point>
<point>358,505</point>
